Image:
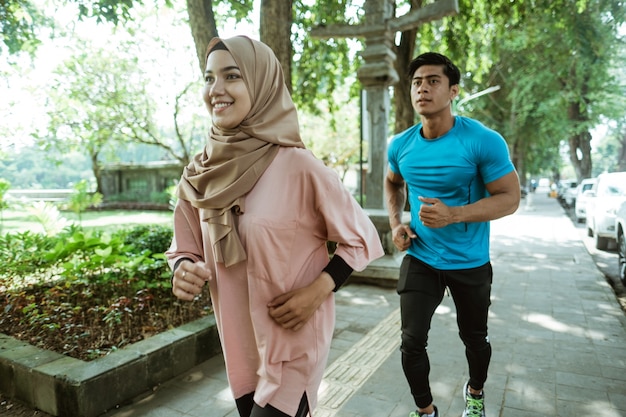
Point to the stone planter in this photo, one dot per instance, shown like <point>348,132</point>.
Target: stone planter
<point>68,387</point>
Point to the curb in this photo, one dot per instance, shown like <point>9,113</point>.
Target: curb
<point>65,386</point>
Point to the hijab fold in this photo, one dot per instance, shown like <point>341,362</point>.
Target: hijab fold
<point>217,180</point>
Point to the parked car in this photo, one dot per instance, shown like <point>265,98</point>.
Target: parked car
<point>566,192</point>
<point>608,193</point>
<point>620,227</point>
<point>580,205</point>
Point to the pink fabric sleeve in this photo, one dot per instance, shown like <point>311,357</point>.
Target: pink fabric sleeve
<point>187,240</point>
<point>347,224</point>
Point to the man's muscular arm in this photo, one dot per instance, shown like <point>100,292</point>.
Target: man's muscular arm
<point>395,192</point>
<point>503,200</point>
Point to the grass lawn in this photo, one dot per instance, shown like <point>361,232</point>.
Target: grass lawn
<point>13,221</point>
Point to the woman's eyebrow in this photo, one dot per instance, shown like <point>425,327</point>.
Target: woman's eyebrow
<point>225,69</point>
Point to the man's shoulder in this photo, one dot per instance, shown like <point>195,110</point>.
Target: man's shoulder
<point>406,134</point>
<point>474,126</point>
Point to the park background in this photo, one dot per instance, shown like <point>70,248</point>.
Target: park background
<point>84,85</point>
<point>90,85</point>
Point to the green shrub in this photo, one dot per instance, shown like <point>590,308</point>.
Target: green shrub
<point>22,257</point>
<point>159,197</point>
<point>88,293</point>
<point>155,238</point>
<point>133,256</point>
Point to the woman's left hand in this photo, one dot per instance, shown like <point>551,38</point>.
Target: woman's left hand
<point>293,309</point>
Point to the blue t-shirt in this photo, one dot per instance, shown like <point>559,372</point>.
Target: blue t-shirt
<point>453,168</point>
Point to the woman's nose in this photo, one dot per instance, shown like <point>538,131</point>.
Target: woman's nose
<point>217,88</point>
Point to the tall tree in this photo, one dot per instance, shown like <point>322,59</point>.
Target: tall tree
<point>98,100</point>
<point>275,30</point>
<point>203,22</point>
<point>203,27</point>
<point>570,83</point>
<point>552,62</point>
<point>405,115</point>
<point>561,103</point>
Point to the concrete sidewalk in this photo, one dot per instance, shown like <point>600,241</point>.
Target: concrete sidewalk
<point>558,336</point>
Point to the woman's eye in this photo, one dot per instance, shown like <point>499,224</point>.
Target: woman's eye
<point>208,79</point>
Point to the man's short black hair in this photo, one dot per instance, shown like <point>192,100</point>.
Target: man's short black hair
<point>433,58</point>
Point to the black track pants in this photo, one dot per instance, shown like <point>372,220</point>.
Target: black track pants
<point>421,290</point>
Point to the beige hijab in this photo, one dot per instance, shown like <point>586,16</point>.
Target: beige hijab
<point>217,179</point>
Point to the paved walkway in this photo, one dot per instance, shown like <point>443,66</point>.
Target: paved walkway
<point>558,335</point>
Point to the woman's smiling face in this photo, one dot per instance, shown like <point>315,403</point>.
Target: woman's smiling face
<point>225,92</point>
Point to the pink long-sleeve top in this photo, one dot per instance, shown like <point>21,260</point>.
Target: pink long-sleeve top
<point>297,205</point>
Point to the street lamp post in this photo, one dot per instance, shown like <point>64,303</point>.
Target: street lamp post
<point>476,95</point>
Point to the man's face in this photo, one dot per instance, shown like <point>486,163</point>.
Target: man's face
<point>431,92</point>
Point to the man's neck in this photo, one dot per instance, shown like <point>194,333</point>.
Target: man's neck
<point>437,126</point>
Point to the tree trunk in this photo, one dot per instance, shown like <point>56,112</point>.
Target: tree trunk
<point>621,156</point>
<point>202,24</point>
<point>275,29</point>
<point>97,171</point>
<point>517,157</point>
<point>405,115</point>
<point>579,142</point>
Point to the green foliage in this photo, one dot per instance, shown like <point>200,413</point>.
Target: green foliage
<point>98,102</point>
<point>21,21</point>
<point>549,57</point>
<point>22,259</point>
<point>141,197</point>
<point>154,238</point>
<point>94,256</point>
<point>553,61</point>
<point>4,187</point>
<point>173,198</point>
<point>18,21</point>
<point>322,66</point>
<point>607,153</point>
<point>31,167</point>
<point>75,255</point>
<point>233,9</point>
<point>334,136</point>
<point>82,198</point>
<point>86,294</point>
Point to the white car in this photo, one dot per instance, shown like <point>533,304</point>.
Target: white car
<point>606,196</point>
<point>620,227</point>
<point>566,193</point>
<point>580,204</point>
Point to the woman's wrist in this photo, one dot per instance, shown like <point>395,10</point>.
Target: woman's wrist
<point>338,270</point>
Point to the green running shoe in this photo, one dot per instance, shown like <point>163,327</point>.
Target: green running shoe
<point>418,414</point>
<point>474,404</point>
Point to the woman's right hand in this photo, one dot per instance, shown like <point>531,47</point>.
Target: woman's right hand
<point>188,280</point>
